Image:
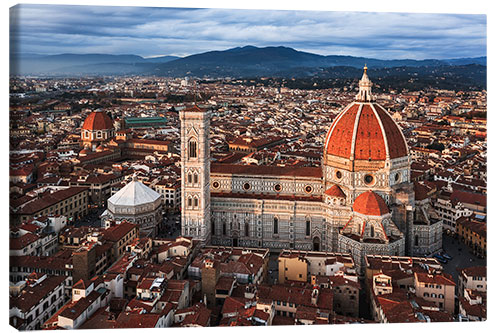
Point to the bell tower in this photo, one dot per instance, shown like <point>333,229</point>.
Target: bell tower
<point>195,173</point>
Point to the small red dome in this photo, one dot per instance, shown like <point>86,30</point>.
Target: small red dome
<point>97,120</point>
<point>370,203</point>
<point>335,191</point>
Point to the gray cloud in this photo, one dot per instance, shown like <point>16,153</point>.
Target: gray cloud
<point>50,29</point>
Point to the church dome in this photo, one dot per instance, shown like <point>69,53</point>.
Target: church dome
<point>134,194</point>
<point>335,191</point>
<point>370,203</point>
<point>97,120</point>
<point>365,131</point>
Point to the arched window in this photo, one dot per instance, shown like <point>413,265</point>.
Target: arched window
<point>195,201</point>
<point>190,178</point>
<point>224,228</point>
<point>195,178</point>
<point>372,231</point>
<point>190,202</point>
<point>308,227</point>
<point>193,149</point>
<point>275,225</point>
<point>426,294</point>
<point>416,240</point>
<point>247,229</point>
<point>213,227</point>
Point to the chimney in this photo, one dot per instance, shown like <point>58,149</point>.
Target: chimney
<point>314,296</point>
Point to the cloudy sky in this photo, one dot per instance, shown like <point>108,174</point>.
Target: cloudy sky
<point>52,29</point>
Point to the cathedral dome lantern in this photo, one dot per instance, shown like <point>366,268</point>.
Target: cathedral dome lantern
<point>364,130</point>
<point>365,88</point>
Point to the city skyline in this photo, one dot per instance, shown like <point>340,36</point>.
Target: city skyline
<point>259,186</point>
<point>184,31</point>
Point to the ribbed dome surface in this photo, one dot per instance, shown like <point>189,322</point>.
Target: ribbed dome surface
<point>364,130</point>
<point>370,203</point>
<point>367,132</point>
<point>97,120</point>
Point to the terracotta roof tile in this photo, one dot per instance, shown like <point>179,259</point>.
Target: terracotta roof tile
<point>335,191</point>
<point>396,140</point>
<point>444,278</point>
<point>118,231</point>
<point>370,143</point>
<point>136,320</point>
<point>475,271</point>
<point>313,172</point>
<point>32,295</point>
<point>97,120</point>
<point>370,203</point>
<point>21,242</point>
<point>369,136</point>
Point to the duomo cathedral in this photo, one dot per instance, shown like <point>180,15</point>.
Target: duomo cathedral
<point>360,201</point>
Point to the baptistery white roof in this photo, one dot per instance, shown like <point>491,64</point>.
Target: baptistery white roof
<point>133,194</point>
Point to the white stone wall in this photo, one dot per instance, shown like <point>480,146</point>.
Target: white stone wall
<point>268,185</point>
<point>429,238</point>
<point>359,249</point>
<point>195,127</point>
<point>292,217</point>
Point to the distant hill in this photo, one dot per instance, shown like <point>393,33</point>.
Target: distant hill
<point>269,61</point>
<point>69,64</point>
<point>160,59</point>
<point>247,61</point>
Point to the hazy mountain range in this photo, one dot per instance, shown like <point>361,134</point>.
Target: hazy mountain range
<point>248,61</point>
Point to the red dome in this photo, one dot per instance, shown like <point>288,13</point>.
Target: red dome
<point>335,191</point>
<point>370,203</point>
<point>97,120</point>
<point>370,128</point>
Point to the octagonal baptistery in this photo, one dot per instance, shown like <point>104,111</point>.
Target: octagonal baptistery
<point>138,204</point>
<point>365,149</point>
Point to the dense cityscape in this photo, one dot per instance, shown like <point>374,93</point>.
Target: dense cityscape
<point>103,236</point>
